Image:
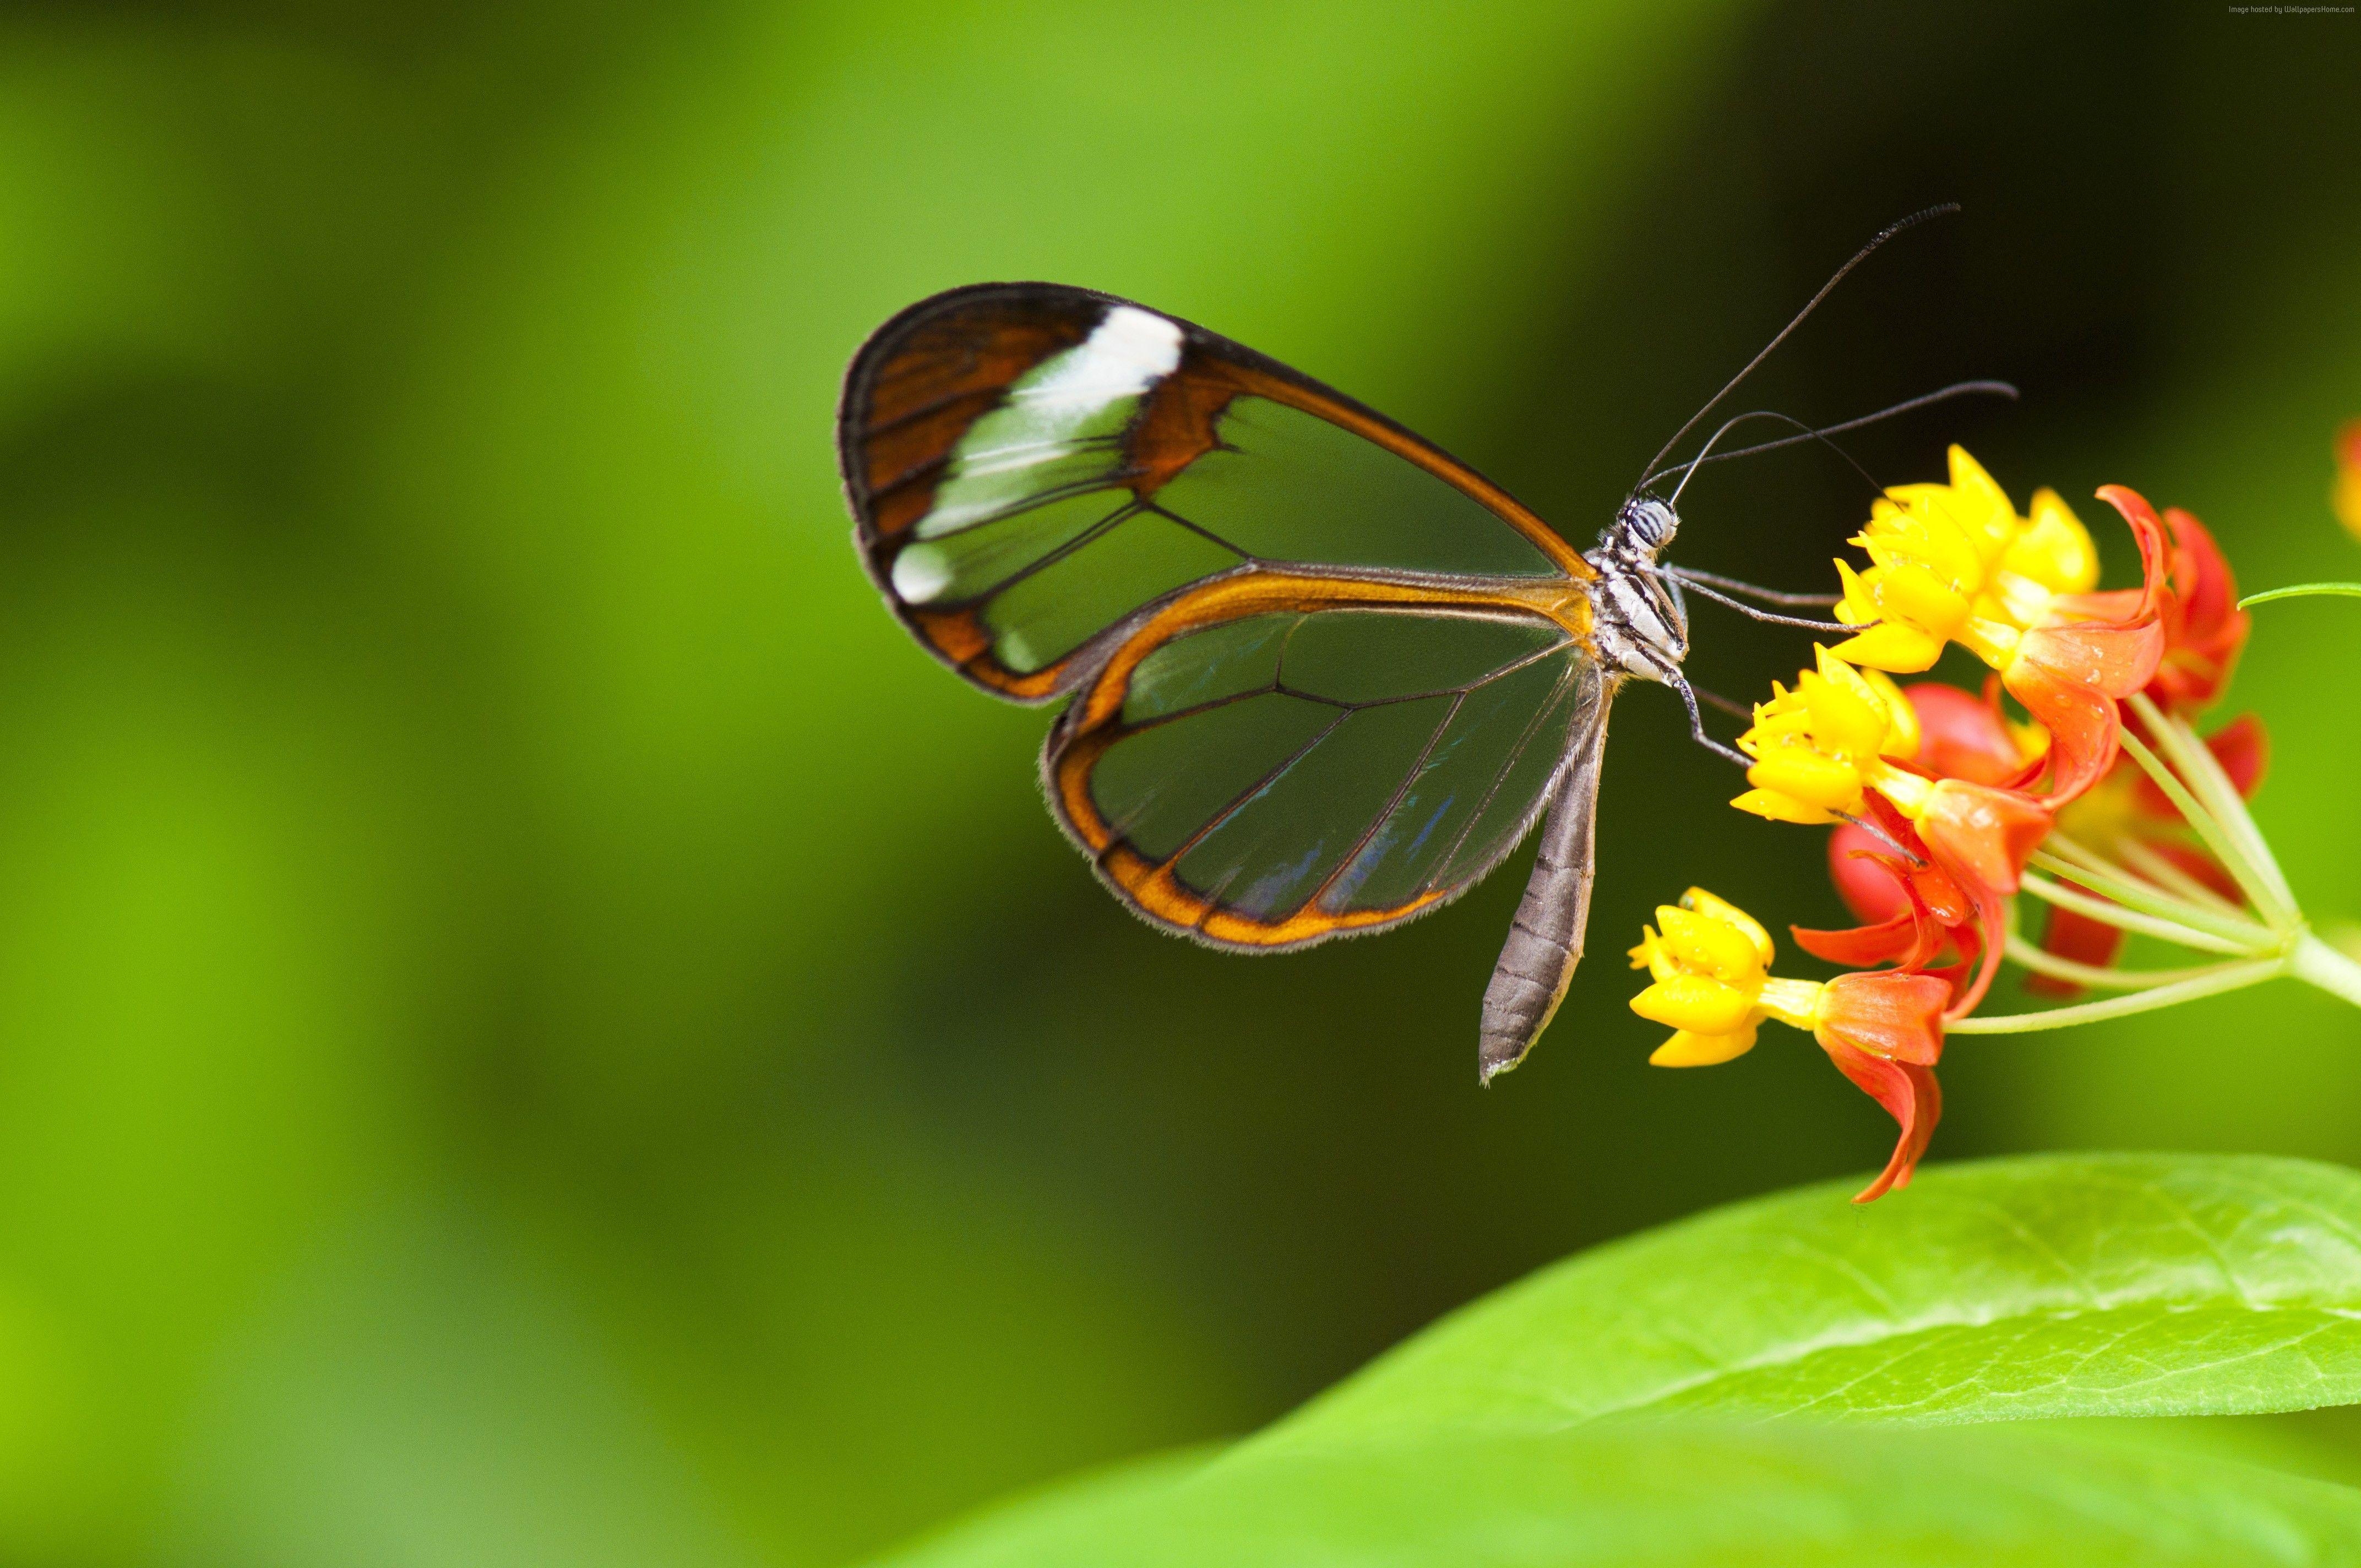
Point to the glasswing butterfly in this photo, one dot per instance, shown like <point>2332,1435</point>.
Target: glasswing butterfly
<point>1322,676</point>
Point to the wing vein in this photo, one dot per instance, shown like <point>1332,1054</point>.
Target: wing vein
<point>1254,791</point>
<point>1392,805</point>
<point>1094,532</point>
<point>1542,712</point>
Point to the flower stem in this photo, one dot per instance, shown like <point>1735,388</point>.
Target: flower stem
<point>2220,978</point>
<point>2334,973</point>
<point>2350,590</point>
<point>2026,953</point>
<point>2249,858</point>
<point>2160,904</point>
<point>2124,919</point>
<point>2218,838</point>
<point>2139,858</point>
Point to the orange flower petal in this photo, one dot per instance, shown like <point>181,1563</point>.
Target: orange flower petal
<point>2069,677</point>
<point>1891,1014</point>
<point>1981,835</point>
<point>2155,569</point>
<point>1910,1095</point>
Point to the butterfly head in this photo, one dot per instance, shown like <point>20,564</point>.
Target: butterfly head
<point>1644,526</point>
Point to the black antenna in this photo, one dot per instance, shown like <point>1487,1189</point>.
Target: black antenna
<point>1706,453</point>
<point>1810,305</point>
<point>1956,390</point>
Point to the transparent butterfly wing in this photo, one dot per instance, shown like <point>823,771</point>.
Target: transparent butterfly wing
<point>1291,764</point>
<point>1033,467</point>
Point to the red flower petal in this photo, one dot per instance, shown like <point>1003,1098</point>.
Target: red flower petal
<point>2202,866</point>
<point>2243,749</point>
<point>1962,737</point>
<point>1866,947</point>
<point>1910,1095</point>
<point>1866,884</point>
<point>1982,837</point>
<point>2205,629</point>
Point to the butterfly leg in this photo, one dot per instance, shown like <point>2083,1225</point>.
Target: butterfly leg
<point>1675,680</point>
<point>1667,574</point>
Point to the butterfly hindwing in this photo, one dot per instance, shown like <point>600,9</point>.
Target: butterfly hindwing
<point>1033,468</point>
<point>1281,760</point>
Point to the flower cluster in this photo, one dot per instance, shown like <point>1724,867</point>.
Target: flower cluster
<point>1948,807</point>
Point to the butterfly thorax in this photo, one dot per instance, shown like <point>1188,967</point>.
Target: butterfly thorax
<point>1638,625</point>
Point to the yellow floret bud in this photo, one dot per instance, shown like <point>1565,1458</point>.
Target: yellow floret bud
<point>1902,735</point>
<point>1686,1048</point>
<point>1729,915</point>
<point>1709,965</point>
<point>1697,1002</point>
<point>2054,549</point>
<point>1981,507</point>
<point>1816,748</point>
<point>1704,945</point>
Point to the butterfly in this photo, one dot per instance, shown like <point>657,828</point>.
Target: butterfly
<point>1321,677</point>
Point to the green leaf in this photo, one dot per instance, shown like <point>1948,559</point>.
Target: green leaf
<point>2066,1285</point>
<point>1646,1496</point>
<point>2347,590</point>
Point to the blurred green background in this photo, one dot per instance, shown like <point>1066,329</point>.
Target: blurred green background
<point>536,1027</point>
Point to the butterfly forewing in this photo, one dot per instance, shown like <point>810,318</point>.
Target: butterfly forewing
<point>1033,467</point>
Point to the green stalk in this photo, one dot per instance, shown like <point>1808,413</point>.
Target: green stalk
<point>2165,874</point>
<point>2202,769</point>
<point>2217,839</point>
<point>2348,590</point>
<point>2115,914</point>
<point>2163,906</point>
<point>2220,978</point>
<point>2026,953</point>
<point>2334,973</point>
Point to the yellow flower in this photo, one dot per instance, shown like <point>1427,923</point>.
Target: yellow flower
<point>1817,748</point>
<point>1955,563</point>
<point>1710,966</point>
<point>2053,549</point>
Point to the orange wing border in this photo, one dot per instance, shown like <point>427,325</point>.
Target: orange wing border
<point>921,380</point>
<point>1092,723</point>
